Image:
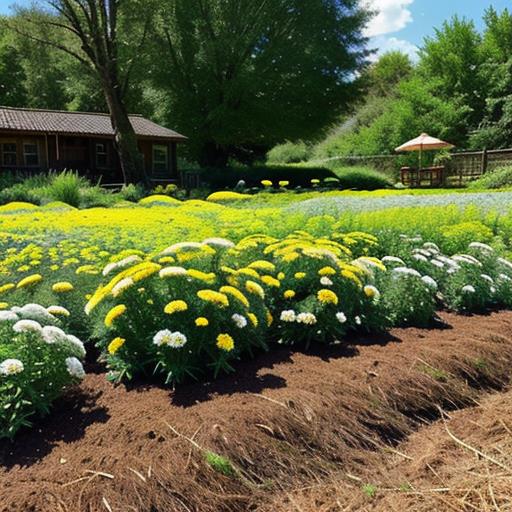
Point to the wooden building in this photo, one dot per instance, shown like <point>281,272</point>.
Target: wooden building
<point>39,140</point>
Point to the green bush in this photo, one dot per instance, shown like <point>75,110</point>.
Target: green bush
<point>132,193</point>
<point>499,178</point>
<point>19,193</point>
<point>65,187</point>
<point>296,175</point>
<point>37,360</point>
<point>361,178</point>
<point>288,153</point>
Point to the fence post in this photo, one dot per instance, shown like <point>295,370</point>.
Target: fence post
<point>484,161</point>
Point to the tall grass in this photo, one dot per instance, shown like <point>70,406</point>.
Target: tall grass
<point>66,187</point>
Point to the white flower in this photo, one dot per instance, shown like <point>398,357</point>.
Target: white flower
<point>52,334</point>
<point>181,247</point>
<point>432,247</point>
<point>504,277</point>
<point>406,271</point>
<point>222,243</point>
<point>172,272</point>
<point>487,278</point>
<point>11,367</point>
<point>58,311</point>
<point>288,316</point>
<point>493,290</point>
<point>420,257</point>
<point>34,312</point>
<point>75,368</point>
<point>239,320</point>
<point>123,285</point>
<point>358,321</point>
<point>27,326</point>
<point>505,262</point>
<point>125,262</point>
<point>423,252</point>
<point>431,283</point>
<point>306,318</point>
<point>341,317</point>
<point>171,339</point>
<point>392,260</point>
<point>325,281</point>
<point>437,263</point>
<point>8,316</point>
<point>481,247</point>
<point>468,289</point>
<point>466,258</point>
<point>77,344</point>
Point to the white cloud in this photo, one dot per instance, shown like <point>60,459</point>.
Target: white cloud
<point>392,16</point>
<point>386,44</point>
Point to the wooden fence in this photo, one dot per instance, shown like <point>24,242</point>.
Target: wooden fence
<point>470,165</point>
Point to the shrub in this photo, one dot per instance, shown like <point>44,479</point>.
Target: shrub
<point>19,193</point>
<point>499,178</point>
<point>221,197</point>
<point>296,175</point>
<point>65,187</point>
<point>361,178</point>
<point>37,361</point>
<point>288,153</point>
<point>159,200</point>
<point>132,192</point>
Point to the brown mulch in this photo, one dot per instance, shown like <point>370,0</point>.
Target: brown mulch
<point>287,423</point>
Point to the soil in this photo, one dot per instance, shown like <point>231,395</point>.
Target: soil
<point>288,431</point>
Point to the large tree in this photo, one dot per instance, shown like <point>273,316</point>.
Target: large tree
<point>107,37</point>
<point>242,75</point>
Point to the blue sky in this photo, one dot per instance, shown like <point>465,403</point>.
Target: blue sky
<point>403,24</point>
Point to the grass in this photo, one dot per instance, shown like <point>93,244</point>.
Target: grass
<point>220,464</point>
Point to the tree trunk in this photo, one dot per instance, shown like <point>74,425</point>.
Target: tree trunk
<point>213,155</point>
<point>125,139</point>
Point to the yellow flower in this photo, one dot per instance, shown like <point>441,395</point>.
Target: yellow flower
<point>326,271</point>
<point>114,313</point>
<point>29,280</point>
<point>249,272</point>
<point>289,294</point>
<point>54,267</point>
<point>271,281</point>
<point>255,289</point>
<point>264,265</point>
<point>327,297</point>
<point>176,306</point>
<point>281,276</point>
<point>4,305</point>
<point>201,276</point>
<point>6,287</point>
<point>270,318</point>
<point>253,318</point>
<point>220,299</point>
<point>300,275</point>
<point>291,256</point>
<point>225,342</point>
<point>266,183</point>
<point>115,345</point>
<point>202,322</point>
<point>62,287</point>
<point>348,274</point>
<point>236,293</point>
<point>284,183</point>
<point>166,260</point>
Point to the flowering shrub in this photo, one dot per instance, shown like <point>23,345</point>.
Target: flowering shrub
<point>37,361</point>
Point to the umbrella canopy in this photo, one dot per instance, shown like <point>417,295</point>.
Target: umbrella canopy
<point>424,143</point>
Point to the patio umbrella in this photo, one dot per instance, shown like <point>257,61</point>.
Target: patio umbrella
<point>424,143</point>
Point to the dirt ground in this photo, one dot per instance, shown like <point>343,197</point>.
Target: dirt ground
<point>351,427</point>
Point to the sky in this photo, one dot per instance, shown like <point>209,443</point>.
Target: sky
<point>403,24</point>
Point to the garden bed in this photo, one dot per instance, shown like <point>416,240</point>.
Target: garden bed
<point>284,421</point>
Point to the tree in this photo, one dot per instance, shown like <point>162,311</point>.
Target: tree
<point>391,68</point>
<point>245,75</point>
<point>497,41</point>
<point>452,59</point>
<point>12,75</point>
<point>95,32</point>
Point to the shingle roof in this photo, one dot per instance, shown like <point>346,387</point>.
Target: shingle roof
<point>77,123</point>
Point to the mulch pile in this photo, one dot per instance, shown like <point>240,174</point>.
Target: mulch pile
<point>282,433</point>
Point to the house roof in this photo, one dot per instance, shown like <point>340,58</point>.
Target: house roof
<point>77,123</point>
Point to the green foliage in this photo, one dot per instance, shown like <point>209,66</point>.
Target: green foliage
<point>499,178</point>
<point>297,175</point>
<point>361,178</point>
<point>461,235</point>
<point>288,153</point>
<point>370,490</point>
<point>65,187</point>
<point>391,68</point>
<point>220,464</point>
<point>36,363</point>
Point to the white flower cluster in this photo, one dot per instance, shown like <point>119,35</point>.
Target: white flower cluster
<point>239,320</point>
<point>221,243</point>
<point>121,264</point>
<point>172,272</point>
<point>35,312</point>
<point>168,338</point>
<point>11,367</point>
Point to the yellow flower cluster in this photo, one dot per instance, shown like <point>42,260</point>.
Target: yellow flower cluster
<point>176,306</point>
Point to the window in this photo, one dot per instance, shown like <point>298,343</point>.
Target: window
<point>160,157</point>
<point>30,154</point>
<point>9,154</point>
<point>101,155</point>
